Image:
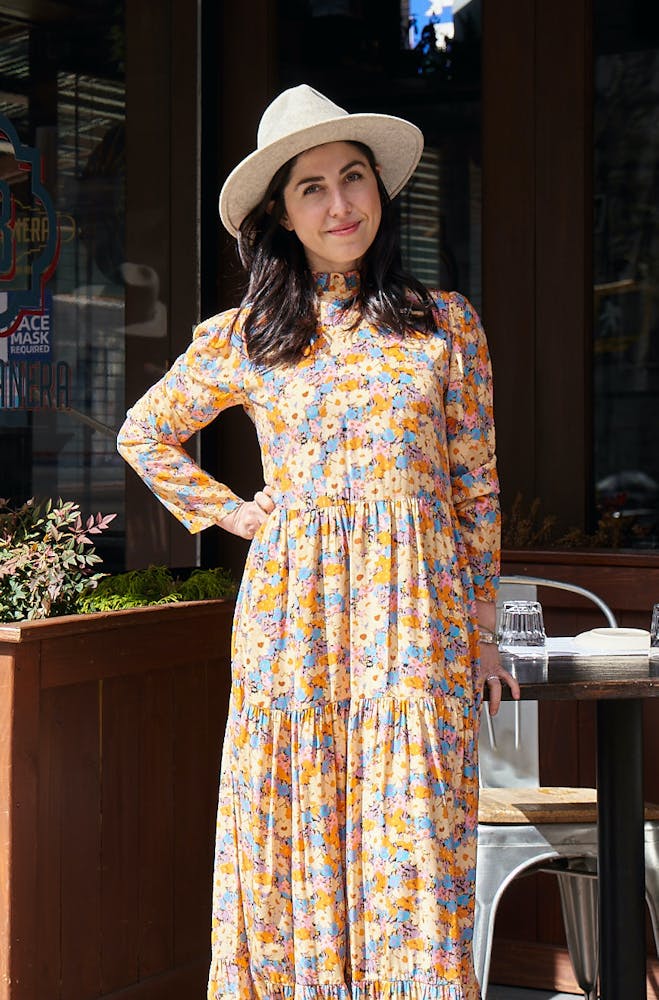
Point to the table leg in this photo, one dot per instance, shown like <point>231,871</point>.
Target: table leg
<point>621,849</point>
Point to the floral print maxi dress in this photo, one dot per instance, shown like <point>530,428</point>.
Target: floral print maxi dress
<point>346,832</point>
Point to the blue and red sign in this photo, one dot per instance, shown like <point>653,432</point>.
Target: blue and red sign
<point>23,291</point>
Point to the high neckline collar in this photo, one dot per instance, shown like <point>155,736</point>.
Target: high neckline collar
<point>336,287</point>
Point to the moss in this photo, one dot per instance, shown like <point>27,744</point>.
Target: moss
<point>156,585</point>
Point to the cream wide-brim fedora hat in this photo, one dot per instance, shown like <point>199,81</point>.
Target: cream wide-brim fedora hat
<point>301,118</point>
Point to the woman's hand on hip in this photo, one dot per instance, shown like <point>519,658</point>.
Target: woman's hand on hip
<point>245,520</point>
<point>492,673</point>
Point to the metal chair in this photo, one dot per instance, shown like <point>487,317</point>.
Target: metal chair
<point>523,827</point>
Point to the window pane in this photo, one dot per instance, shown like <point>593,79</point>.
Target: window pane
<point>62,182</point>
<point>419,60</point>
<point>626,269</point>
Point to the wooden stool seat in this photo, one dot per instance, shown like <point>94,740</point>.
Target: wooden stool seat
<point>543,805</point>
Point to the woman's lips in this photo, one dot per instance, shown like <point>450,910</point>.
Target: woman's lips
<point>344,230</point>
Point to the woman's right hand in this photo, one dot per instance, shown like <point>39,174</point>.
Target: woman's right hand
<point>245,520</point>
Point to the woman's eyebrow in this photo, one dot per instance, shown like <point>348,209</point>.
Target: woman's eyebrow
<point>343,170</point>
<point>349,166</point>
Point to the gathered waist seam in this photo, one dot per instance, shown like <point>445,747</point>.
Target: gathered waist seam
<point>343,503</point>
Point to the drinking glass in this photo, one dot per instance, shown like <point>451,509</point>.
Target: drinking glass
<point>654,633</point>
<point>522,625</point>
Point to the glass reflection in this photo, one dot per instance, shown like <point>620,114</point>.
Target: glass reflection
<point>626,270</point>
<point>62,394</point>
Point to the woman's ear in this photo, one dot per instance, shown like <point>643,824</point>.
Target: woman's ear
<point>284,218</point>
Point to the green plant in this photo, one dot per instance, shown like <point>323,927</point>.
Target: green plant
<point>207,584</point>
<point>135,589</point>
<point>46,558</point>
<point>156,585</point>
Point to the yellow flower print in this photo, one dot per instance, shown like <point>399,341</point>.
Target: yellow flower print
<point>348,797</point>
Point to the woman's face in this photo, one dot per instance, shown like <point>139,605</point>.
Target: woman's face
<point>332,203</point>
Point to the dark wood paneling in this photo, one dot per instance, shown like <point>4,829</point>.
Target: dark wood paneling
<point>627,581</point>
<point>49,851</point>
<point>537,273</point>
<point>549,915</point>
<point>205,614</point>
<point>546,967</point>
<point>120,804</point>
<point>242,106</point>
<point>153,643</point>
<point>162,230</point>
<point>237,456</point>
<point>193,816</point>
<point>188,983</point>
<point>76,721</point>
<point>184,208</point>
<point>517,911</point>
<point>156,824</point>
<point>563,279</point>
<point>509,232</point>
<point>148,47</point>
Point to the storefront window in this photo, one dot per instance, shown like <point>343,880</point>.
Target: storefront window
<point>62,288</point>
<point>422,62</point>
<point>626,269</point>
<point>440,210</point>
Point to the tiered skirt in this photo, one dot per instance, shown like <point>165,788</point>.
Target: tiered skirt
<point>346,834</point>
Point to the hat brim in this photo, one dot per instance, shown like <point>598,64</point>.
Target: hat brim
<point>396,144</point>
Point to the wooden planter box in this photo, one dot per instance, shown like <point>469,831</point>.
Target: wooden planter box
<point>529,947</point>
<point>110,739</point>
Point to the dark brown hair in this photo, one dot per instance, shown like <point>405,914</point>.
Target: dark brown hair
<point>280,302</point>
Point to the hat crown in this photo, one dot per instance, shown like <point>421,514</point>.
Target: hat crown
<point>301,118</point>
<point>293,110</point>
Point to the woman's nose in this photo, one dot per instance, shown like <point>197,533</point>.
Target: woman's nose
<point>340,203</point>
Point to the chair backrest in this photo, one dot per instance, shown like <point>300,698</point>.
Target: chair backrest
<point>506,760</point>
<point>508,747</point>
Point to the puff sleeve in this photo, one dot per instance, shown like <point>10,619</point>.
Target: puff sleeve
<point>208,378</point>
<point>471,446</point>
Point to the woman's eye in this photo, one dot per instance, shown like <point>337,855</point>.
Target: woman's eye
<point>354,175</point>
<point>311,189</point>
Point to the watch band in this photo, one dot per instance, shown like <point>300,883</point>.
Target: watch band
<point>487,636</point>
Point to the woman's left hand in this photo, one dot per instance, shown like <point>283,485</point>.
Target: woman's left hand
<point>248,517</point>
<point>492,673</point>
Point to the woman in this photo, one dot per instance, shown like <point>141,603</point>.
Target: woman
<point>363,632</point>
